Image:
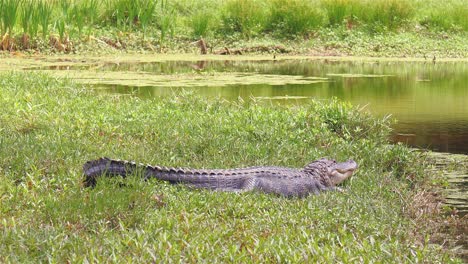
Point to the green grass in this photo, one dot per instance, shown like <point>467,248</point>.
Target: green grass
<point>447,16</point>
<point>9,15</point>
<point>200,23</point>
<point>44,12</point>
<point>246,17</point>
<point>226,22</point>
<point>49,127</point>
<point>294,17</point>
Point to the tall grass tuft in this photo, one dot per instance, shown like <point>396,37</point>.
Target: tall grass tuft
<point>447,16</point>
<point>338,10</point>
<point>9,15</point>
<point>200,23</point>
<point>294,17</point>
<point>44,12</point>
<point>166,24</point>
<point>374,15</point>
<point>384,14</point>
<point>35,20</point>
<point>146,14</point>
<point>60,24</point>
<point>1,16</point>
<point>243,16</point>
<point>27,10</point>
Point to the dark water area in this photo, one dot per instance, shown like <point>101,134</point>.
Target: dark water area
<point>428,100</point>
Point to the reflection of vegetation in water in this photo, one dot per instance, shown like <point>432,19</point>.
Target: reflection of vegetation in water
<point>443,93</point>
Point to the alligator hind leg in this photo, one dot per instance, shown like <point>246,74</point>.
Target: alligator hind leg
<point>246,186</point>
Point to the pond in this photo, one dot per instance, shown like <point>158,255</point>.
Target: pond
<point>429,100</point>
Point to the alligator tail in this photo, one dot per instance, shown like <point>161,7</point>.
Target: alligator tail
<point>212,179</point>
<point>105,166</point>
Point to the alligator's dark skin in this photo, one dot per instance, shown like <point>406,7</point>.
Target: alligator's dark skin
<point>320,175</point>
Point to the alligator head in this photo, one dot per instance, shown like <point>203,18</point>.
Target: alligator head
<point>330,171</point>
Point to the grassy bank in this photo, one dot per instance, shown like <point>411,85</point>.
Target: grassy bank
<point>329,27</point>
<point>50,127</point>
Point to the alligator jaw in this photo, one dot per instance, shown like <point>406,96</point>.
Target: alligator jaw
<point>341,171</point>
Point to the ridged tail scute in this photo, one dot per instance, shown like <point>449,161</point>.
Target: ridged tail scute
<point>105,166</point>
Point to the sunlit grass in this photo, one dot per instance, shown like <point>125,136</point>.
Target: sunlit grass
<point>447,15</point>
<point>50,127</point>
<point>9,15</point>
<point>246,17</point>
<point>44,12</point>
<point>295,17</point>
<point>161,21</point>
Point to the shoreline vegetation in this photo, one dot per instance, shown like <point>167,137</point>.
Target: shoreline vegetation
<point>50,126</point>
<point>386,28</point>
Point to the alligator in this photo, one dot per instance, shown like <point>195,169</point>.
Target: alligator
<point>317,176</point>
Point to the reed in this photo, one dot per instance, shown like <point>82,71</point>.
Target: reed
<point>166,24</point>
<point>1,16</point>
<point>93,8</point>
<point>385,14</point>
<point>238,19</point>
<point>243,16</point>
<point>60,25</point>
<point>337,10</point>
<point>27,10</point>
<point>146,12</point>
<point>35,20</point>
<point>9,15</point>
<point>446,16</point>
<point>79,17</point>
<point>200,23</point>
<point>294,17</point>
<point>44,12</point>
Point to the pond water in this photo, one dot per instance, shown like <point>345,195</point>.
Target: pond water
<point>429,100</point>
